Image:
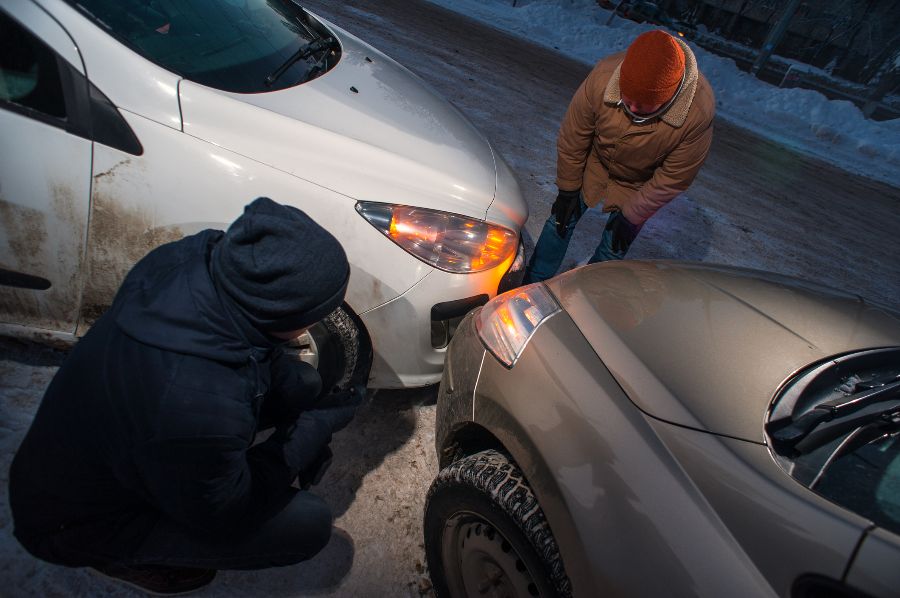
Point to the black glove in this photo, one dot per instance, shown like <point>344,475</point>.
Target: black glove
<point>338,409</point>
<point>623,231</point>
<point>302,442</point>
<point>565,205</point>
<point>295,387</point>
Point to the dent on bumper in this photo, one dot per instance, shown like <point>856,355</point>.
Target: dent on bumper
<point>404,355</point>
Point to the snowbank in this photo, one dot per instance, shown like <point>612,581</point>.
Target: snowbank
<point>804,120</point>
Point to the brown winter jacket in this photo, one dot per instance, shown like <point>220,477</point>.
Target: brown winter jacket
<point>634,168</point>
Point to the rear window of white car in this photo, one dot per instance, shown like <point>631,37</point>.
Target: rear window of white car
<point>233,45</point>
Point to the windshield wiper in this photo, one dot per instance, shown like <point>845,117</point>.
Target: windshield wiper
<point>884,426</point>
<point>305,51</point>
<point>785,438</point>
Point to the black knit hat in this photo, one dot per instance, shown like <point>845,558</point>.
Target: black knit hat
<point>279,267</point>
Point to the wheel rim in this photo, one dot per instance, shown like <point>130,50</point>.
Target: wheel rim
<point>305,348</point>
<point>479,561</point>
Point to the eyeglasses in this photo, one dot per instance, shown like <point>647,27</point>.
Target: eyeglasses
<point>640,119</point>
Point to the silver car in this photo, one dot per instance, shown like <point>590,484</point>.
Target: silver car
<point>669,429</point>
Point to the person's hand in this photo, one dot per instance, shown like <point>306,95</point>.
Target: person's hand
<point>337,409</point>
<point>302,442</point>
<point>565,205</point>
<point>623,231</point>
<point>295,387</point>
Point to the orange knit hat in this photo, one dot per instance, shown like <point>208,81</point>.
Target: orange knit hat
<point>652,69</point>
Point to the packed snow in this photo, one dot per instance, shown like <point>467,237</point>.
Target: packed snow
<point>833,130</point>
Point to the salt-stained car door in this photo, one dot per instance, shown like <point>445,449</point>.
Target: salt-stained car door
<point>44,171</point>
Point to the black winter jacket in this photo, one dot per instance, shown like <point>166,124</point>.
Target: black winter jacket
<point>154,412</point>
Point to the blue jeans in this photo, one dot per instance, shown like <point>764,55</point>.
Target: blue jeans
<point>551,248</point>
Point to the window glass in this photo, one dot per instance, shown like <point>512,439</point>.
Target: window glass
<point>226,44</point>
<point>835,428</point>
<point>867,481</point>
<point>29,75</point>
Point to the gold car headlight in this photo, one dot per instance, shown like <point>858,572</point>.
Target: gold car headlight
<point>448,242</point>
<point>507,322</point>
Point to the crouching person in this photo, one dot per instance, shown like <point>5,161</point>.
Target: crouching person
<point>140,462</point>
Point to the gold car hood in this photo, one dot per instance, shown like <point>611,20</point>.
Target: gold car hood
<point>708,346</point>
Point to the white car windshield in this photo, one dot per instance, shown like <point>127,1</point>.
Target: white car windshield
<point>233,45</point>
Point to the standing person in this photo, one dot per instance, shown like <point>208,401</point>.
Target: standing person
<point>140,461</point>
<point>634,137</point>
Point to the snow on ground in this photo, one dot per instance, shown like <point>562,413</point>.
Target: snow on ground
<point>804,120</point>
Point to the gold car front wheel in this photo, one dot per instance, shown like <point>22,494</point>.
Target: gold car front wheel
<point>486,535</point>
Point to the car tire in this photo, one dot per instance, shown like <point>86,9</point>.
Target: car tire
<point>338,348</point>
<point>485,533</point>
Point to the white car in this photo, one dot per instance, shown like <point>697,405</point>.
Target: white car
<point>127,124</point>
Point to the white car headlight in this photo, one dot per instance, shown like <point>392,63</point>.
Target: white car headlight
<point>507,322</point>
<point>446,241</point>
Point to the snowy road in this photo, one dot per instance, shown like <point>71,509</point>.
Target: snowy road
<point>755,204</point>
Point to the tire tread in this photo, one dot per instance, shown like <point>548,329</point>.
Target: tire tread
<point>493,474</point>
<point>345,329</point>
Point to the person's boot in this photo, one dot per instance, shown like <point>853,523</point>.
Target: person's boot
<point>159,580</point>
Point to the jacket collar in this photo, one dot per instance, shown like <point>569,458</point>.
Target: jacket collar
<point>678,111</point>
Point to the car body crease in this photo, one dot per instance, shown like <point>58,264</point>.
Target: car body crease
<point>755,309</point>
<point>636,406</point>
<point>856,549</point>
<point>496,179</point>
<point>180,109</point>
<point>477,379</point>
<point>417,283</point>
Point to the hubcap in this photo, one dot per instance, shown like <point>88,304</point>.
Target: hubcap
<point>304,348</point>
<point>480,562</point>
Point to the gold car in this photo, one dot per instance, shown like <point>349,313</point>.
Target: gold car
<point>669,429</point>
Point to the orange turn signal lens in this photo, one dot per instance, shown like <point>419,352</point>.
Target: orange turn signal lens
<point>446,241</point>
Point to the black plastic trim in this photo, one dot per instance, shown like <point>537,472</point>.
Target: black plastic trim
<point>813,585</point>
<point>458,308</point>
<point>109,126</point>
<point>89,113</point>
<point>93,116</point>
<point>10,278</point>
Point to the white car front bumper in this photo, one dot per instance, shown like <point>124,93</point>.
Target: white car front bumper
<point>415,328</point>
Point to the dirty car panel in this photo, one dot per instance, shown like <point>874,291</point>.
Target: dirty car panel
<point>44,215</point>
<point>350,126</point>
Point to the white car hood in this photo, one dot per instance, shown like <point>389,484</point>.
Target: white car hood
<point>368,129</point>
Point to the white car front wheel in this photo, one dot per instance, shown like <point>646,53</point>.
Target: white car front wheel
<point>338,348</point>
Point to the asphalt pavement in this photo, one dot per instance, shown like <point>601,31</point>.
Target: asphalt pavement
<point>755,204</point>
